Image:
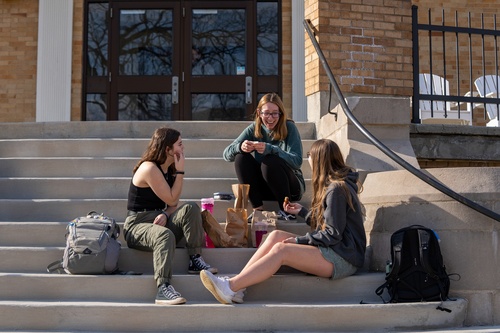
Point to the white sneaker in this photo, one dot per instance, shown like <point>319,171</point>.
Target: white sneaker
<point>238,296</point>
<point>219,287</point>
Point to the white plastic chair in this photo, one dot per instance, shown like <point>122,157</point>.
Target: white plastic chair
<point>440,86</point>
<point>487,87</point>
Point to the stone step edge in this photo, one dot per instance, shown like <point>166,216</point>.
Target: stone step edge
<point>213,317</point>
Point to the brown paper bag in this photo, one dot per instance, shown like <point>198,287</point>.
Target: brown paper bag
<point>263,222</point>
<point>237,226</point>
<point>240,192</point>
<point>216,233</point>
<point>237,217</point>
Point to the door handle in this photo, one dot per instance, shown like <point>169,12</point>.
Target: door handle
<point>175,90</point>
<point>248,90</point>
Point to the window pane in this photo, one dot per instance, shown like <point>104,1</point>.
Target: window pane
<point>267,38</point>
<point>145,107</point>
<point>219,41</point>
<point>96,107</point>
<point>218,106</point>
<point>97,40</point>
<point>145,42</point>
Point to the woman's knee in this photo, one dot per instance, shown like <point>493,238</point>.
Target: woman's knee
<point>278,235</point>
<point>164,238</point>
<point>192,207</point>
<point>188,211</point>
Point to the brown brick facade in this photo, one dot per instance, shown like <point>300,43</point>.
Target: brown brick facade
<point>18,60</point>
<point>367,44</point>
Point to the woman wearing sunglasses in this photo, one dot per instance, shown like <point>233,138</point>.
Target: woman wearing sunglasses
<point>267,155</point>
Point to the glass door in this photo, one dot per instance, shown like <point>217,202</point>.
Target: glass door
<point>145,62</point>
<point>220,47</point>
<point>179,60</point>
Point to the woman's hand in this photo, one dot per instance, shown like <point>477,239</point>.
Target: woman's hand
<point>292,208</point>
<point>179,159</point>
<point>247,146</point>
<point>290,240</point>
<point>259,146</point>
<point>161,220</point>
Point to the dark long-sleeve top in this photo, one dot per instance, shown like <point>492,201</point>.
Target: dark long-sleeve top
<point>289,149</point>
<point>344,231</point>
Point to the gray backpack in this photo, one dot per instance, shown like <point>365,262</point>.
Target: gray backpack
<point>91,246</point>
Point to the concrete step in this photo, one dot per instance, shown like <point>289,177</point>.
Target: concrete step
<point>88,167</point>
<point>109,147</point>
<point>36,259</point>
<point>51,234</point>
<point>133,129</point>
<point>210,317</point>
<point>98,187</point>
<point>102,187</point>
<point>288,288</point>
<point>55,172</point>
<point>64,210</point>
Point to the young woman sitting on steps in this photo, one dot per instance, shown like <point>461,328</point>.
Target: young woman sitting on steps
<point>335,247</point>
<point>155,221</point>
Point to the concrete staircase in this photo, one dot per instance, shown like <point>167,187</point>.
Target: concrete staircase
<point>53,172</point>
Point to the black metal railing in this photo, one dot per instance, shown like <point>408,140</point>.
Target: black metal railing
<point>460,40</point>
<point>431,181</point>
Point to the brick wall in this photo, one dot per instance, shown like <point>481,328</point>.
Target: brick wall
<point>18,57</point>
<point>367,46</point>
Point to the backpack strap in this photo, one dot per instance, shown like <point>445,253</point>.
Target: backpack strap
<point>424,238</point>
<point>397,246</point>
<point>56,267</point>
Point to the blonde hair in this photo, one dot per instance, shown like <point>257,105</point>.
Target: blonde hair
<point>328,167</point>
<point>280,131</point>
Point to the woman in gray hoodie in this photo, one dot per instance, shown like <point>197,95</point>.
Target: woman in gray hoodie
<point>335,246</point>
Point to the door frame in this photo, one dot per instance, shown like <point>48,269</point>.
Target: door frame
<point>180,63</point>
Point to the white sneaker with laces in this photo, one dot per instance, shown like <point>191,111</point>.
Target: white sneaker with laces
<point>168,295</point>
<point>219,287</point>
<point>197,264</point>
<point>238,296</point>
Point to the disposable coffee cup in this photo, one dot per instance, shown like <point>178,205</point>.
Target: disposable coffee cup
<point>207,204</point>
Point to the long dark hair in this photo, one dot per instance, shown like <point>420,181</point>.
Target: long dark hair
<point>156,151</point>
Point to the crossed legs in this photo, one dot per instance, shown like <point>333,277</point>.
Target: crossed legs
<point>273,254</point>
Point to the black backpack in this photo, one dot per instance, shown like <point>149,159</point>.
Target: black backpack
<point>417,272</point>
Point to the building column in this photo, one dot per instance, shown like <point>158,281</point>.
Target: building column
<point>53,86</point>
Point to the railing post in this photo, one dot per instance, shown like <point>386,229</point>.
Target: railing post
<point>416,67</point>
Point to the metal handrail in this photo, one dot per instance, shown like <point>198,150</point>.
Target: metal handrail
<point>434,183</point>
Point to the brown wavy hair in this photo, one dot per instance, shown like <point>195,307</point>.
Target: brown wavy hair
<point>156,152</point>
<point>280,131</point>
<point>328,168</point>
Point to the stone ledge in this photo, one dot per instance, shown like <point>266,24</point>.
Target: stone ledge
<point>457,143</point>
